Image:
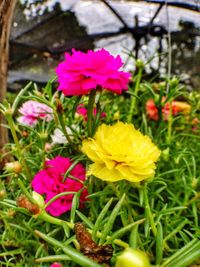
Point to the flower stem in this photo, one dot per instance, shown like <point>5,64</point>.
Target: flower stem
<point>74,255</point>
<point>63,126</point>
<point>25,191</point>
<point>169,128</point>
<point>48,218</point>
<point>8,115</point>
<point>148,212</point>
<point>90,121</point>
<point>133,106</point>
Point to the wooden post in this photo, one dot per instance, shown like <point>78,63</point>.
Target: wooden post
<point>6,14</point>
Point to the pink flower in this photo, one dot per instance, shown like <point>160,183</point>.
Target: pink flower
<point>56,264</point>
<point>32,111</point>
<point>82,72</point>
<point>49,181</point>
<point>81,110</point>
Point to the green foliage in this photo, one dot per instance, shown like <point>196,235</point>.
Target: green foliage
<point>160,217</point>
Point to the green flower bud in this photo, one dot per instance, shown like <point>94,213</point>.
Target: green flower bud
<point>174,82</point>
<point>9,112</point>
<point>2,194</point>
<point>139,63</point>
<point>43,136</point>
<point>132,258</point>
<point>165,154</point>
<point>38,199</point>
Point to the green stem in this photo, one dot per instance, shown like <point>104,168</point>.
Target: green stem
<point>159,105</point>
<point>63,126</point>
<point>169,128</point>
<point>12,129</point>
<point>133,239</point>
<point>58,196</point>
<point>133,106</point>
<point>8,115</point>
<point>52,258</point>
<point>90,109</point>
<point>75,256</point>
<point>148,212</point>
<point>25,191</point>
<point>48,218</point>
<point>19,96</point>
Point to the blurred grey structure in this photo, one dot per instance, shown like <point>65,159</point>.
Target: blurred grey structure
<point>139,28</point>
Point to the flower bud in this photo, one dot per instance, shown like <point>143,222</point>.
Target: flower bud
<point>9,112</point>
<point>14,167</point>
<point>11,213</point>
<point>165,154</point>
<point>132,258</point>
<point>174,82</point>
<point>194,182</point>
<point>2,193</point>
<point>25,203</point>
<point>43,136</point>
<point>38,199</point>
<point>24,133</point>
<point>139,63</point>
<point>37,93</point>
<point>47,147</point>
<point>59,106</point>
<point>116,115</point>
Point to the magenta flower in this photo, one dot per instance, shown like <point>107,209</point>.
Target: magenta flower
<point>56,264</point>
<point>82,72</point>
<point>49,182</point>
<point>32,111</point>
<point>81,110</point>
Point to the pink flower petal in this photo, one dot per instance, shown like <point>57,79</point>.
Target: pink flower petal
<point>82,72</point>
<point>49,182</point>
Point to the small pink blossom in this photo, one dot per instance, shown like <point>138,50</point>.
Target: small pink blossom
<point>49,182</point>
<point>32,111</point>
<point>56,264</point>
<point>82,72</point>
<point>81,110</point>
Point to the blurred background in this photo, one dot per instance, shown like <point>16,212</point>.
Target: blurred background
<point>43,30</point>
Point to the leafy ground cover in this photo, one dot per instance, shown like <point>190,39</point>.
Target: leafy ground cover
<point>103,169</point>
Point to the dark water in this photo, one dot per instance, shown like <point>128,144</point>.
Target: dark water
<point>37,45</point>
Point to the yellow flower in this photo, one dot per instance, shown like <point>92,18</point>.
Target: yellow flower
<point>183,107</point>
<point>121,152</point>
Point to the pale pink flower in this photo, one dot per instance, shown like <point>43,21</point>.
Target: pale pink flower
<point>81,110</point>
<point>49,182</point>
<point>32,111</point>
<point>82,72</point>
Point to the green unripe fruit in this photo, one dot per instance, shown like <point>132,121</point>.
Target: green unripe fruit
<point>132,258</point>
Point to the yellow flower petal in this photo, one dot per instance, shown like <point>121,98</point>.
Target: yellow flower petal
<point>119,152</point>
<point>101,171</point>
